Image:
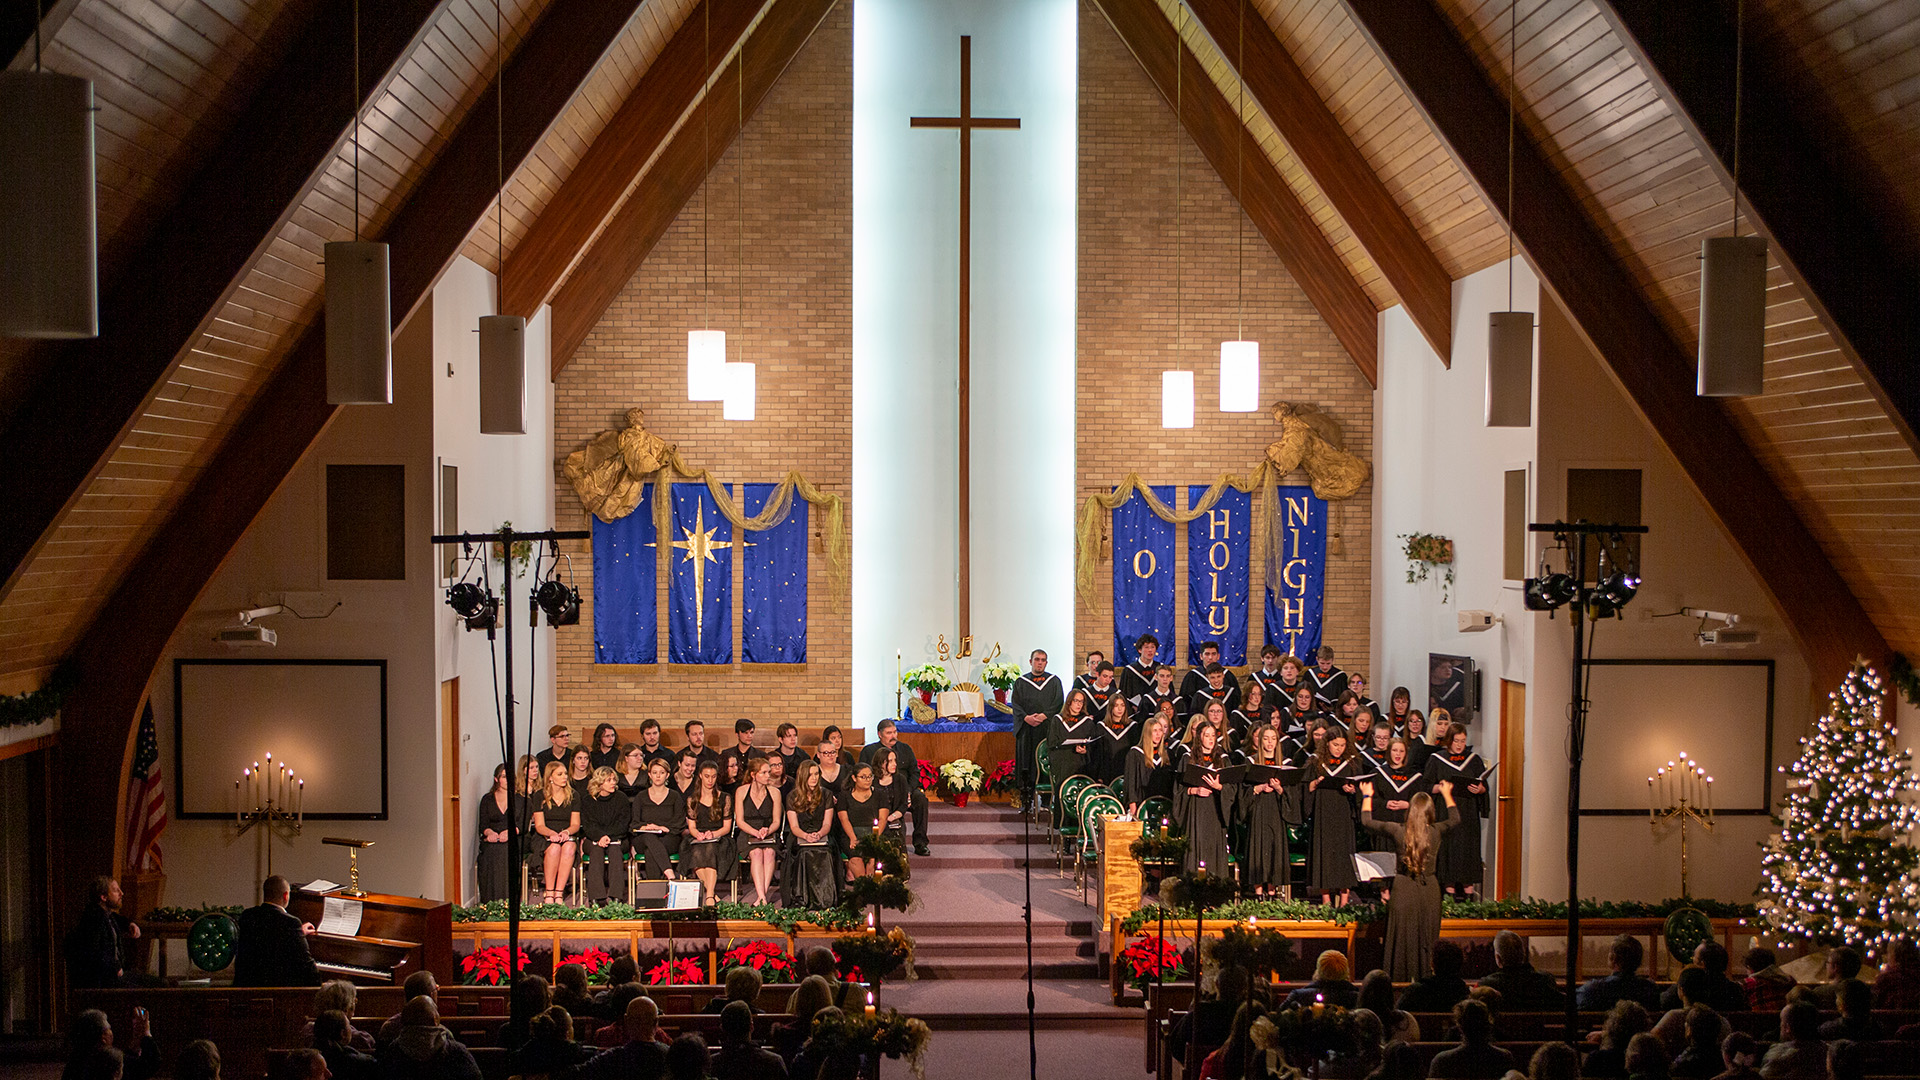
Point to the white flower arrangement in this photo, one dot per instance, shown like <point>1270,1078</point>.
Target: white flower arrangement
<point>1000,674</point>
<point>927,678</point>
<point>961,774</point>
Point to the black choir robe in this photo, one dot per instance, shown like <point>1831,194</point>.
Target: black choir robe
<point>1107,757</point>
<point>1205,817</point>
<point>1327,687</point>
<point>1147,705</point>
<point>1098,699</point>
<point>1269,685</point>
<point>1147,777</point>
<point>1197,699</point>
<point>1458,862</point>
<point>1396,783</point>
<point>1330,855</point>
<point>1069,748</point>
<point>1196,681</point>
<point>1135,679</point>
<point>1044,695</point>
<point>1265,814</point>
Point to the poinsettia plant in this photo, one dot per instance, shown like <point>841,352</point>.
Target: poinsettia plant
<point>597,961</point>
<point>1000,674</point>
<point>962,775</point>
<point>1149,958</point>
<point>1000,778</point>
<point>676,971</point>
<point>488,966</point>
<point>929,775</point>
<point>768,958</point>
<point>927,679</point>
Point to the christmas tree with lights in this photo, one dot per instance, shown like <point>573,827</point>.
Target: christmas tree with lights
<point>1842,871</point>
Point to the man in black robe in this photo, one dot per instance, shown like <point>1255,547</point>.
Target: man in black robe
<point>1216,685</point>
<point>272,950</point>
<point>1102,691</point>
<point>1328,682</point>
<point>1147,704</point>
<point>1137,678</point>
<point>1196,681</point>
<point>1268,676</point>
<point>909,775</point>
<point>1036,696</point>
<point>101,942</point>
<point>1084,680</point>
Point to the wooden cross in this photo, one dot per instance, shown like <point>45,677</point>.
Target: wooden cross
<point>965,123</point>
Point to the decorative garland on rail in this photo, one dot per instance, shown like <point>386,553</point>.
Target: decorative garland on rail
<point>34,706</point>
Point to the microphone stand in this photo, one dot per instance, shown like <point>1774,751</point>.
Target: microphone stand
<point>1026,870</point>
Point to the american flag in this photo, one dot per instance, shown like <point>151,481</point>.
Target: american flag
<point>146,799</point>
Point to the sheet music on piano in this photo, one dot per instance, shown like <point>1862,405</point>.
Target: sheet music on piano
<point>340,916</point>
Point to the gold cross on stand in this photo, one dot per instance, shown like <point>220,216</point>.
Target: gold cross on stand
<point>965,123</point>
<point>700,546</point>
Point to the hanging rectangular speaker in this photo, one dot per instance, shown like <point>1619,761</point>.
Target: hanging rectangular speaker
<point>48,282</point>
<point>1510,369</point>
<point>503,375</point>
<point>1733,315</point>
<point>359,324</point>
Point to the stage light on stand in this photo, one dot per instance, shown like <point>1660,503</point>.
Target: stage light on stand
<point>1548,591</point>
<point>475,605</point>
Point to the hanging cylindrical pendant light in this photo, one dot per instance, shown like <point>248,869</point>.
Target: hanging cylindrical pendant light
<point>1239,376</point>
<point>1176,399</point>
<point>1510,369</point>
<point>1176,386</point>
<point>738,401</point>
<point>706,349</point>
<point>706,356</point>
<point>503,375</point>
<point>1733,284</point>
<point>48,283</point>
<point>359,297</point>
<point>1240,360</point>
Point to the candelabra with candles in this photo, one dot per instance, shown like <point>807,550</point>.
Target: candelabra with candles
<point>1680,792</point>
<point>271,797</point>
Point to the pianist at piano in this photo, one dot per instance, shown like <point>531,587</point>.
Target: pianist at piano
<point>272,950</point>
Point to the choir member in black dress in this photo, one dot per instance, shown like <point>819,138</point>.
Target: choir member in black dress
<point>758,818</point>
<point>659,820</point>
<point>1161,692</point>
<point>631,773</point>
<point>1069,732</point>
<point>1250,715</point>
<point>1036,695</point>
<point>528,791</point>
<point>1458,865</point>
<point>893,792</point>
<point>1328,681</point>
<point>605,819</point>
<point>1379,741</point>
<point>1397,707</point>
<point>1397,782</point>
<point>810,881</point>
<point>1104,689</point>
<point>1136,678</point>
<point>579,771</point>
<point>605,748</point>
<point>496,828</point>
<point>1149,766</point>
<point>1204,810</point>
<point>788,753</point>
<point>709,825</point>
<point>1346,712</point>
<point>1214,713</point>
<point>780,778</point>
<point>1084,680</point>
<point>832,760</point>
<point>1301,711</point>
<point>651,745</point>
<point>685,768</point>
<point>1118,732</point>
<point>1330,795</point>
<point>557,822</point>
<point>1419,750</point>
<point>908,778</point>
<point>1264,864</point>
<point>1413,900</point>
<point>859,811</point>
<point>731,775</point>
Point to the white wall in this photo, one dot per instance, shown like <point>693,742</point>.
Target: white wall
<point>404,622</point>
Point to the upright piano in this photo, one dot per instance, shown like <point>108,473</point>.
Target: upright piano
<point>397,936</point>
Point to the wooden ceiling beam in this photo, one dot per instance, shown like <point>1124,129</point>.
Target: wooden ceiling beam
<point>1807,188</point>
<point>1316,138</point>
<point>116,655</point>
<point>603,269</point>
<point>84,395</point>
<point>1211,121</point>
<point>1462,106</point>
<point>611,168</point>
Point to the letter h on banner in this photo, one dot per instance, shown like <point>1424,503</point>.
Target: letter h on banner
<point>1219,573</point>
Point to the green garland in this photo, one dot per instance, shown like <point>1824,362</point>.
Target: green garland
<point>189,914</point>
<point>21,710</point>
<point>784,919</point>
<point>887,890</point>
<point>889,852</point>
<point>1366,914</point>
<point>1160,847</point>
<point>1258,949</point>
<point>1904,678</point>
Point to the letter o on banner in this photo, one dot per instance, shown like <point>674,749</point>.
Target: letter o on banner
<point>1218,555</point>
<point>1153,564</point>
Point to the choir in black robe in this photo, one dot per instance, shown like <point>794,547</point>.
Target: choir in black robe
<point>654,848</point>
<point>1135,679</point>
<point>1328,685</point>
<point>1264,857</point>
<point>1147,705</point>
<point>1098,699</point>
<point>1043,695</point>
<point>1196,681</point>
<point>1107,757</point>
<point>1147,777</point>
<point>1270,684</point>
<point>1068,748</point>
<point>1396,783</point>
<point>1205,817</point>
<point>1228,695</point>
<point>1330,856</point>
<point>1458,863</point>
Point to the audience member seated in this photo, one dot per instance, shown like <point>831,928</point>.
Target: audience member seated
<point>1332,984</point>
<point>1699,1057</point>
<point>687,1058</point>
<point>743,984</point>
<point>1720,992</point>
<point>1230,1061</point>
<point>739,1058</point>
<point>1624,984</point>
<point>813,994</point>
<point>1646,1058</point>
<point>1625,1020</point>
<point>1476,1058</point>
<point>526,999</point>
<point>824,1059</point>
<point>623,985</point>
<point>1210,1021</point>
<point>1766,985</point>
<point>1376,994</point>
<point>1399,1061</point>
<point>1897,987</point>
<point>418,984</point>
<point>199,1060</point>
<point>1856,1022</point>
<point>570,990</point>
<point>1367,1058</point>
<point>1522,987</point>
<point>819,960</point>
<point>1843,966</point>
<point>1846,1060</point>
<point>1799,1055</point>
<point>1554,1061</point>
<point>91,1054</point>
<point>1488,996</point>
<point>1671,1028</point>
<point>1741,1053</point>
<point>424,1049</point>
<point>641,1057</point>
<point>1442,990</point>
<point>549,1048</point>
<point>332,1037</point>
<point>340,996</point>
<point>303,1064</point>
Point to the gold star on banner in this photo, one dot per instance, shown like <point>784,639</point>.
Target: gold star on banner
<point>699,546</point>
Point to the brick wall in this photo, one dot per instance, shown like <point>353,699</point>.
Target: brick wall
<point>1127,336</point>
<point>798,313</point>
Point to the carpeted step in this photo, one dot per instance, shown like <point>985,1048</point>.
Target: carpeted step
<point>970,968</point>
<point>1044,947</point>
<point>1042,927</point>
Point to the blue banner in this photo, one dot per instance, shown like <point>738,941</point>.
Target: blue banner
<point>1294,601</point>
<point>625,603</point>
<point>1142,576</point>
<point>700,585</point>
<point>773,599</point>
<point>1219,574</point>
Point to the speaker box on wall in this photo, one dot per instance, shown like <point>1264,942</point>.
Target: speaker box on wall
<point>1733,315</point>
<point>1510,369</point>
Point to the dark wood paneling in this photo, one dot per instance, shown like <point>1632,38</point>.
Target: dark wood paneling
<point>1337,169</point>
<point>1656,371</point>
<point>604,270</point>
<point>1214,126</point>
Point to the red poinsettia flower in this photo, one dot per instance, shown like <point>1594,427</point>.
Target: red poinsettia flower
<point>683,971</point>
<point>488,966</point>
<point>767,957</point>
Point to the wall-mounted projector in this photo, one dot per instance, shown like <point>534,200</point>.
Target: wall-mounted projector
<point>1474,621</point>
<point>1728,637</point>
<point>247,637</point>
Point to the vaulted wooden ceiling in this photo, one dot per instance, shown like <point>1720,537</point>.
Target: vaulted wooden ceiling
<point>133,425</point>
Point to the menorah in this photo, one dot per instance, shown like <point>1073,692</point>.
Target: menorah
<point>1680,792</point>
<point>272,797</point>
